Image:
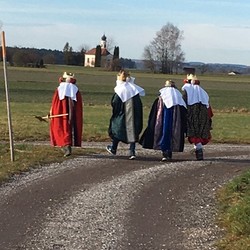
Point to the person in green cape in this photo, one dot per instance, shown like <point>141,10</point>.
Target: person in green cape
<point>126,121</point>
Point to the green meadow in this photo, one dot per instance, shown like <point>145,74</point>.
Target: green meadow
<point>31,90</point>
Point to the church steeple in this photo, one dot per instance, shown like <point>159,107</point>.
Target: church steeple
<point>103,41</point>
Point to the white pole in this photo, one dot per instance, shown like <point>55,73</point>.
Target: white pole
<point>7,96</point>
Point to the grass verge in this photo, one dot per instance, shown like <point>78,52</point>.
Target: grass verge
<point>234,214</point>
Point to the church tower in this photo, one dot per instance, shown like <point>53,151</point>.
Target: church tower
<point>103,42</point>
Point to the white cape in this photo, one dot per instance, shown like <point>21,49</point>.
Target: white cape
<point>171,97</point>
<point>196,94</point>
<point>67,89</point>
<point>127,90</point>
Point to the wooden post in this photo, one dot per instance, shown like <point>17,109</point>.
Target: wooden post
<point>7,96</point>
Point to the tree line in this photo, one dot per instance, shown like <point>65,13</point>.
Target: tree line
<point>163,54</point>
<point>25,57</point>
<point>38,58</point>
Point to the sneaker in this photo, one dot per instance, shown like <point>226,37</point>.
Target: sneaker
<point>110,150</point>
<point>199,154</point>
<point>67,151</point>
<point>132,154</point>
<point>132,157</point>
<point>164,159</point>
<point>167,156</point>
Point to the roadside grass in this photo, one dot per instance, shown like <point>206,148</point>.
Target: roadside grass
<point>27,128</point>
<point>228,127</point>
<point>31,92</point>
<point>231,127</point>
<point>234,214</point>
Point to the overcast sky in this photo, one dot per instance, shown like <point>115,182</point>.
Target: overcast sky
<point>215,31</point>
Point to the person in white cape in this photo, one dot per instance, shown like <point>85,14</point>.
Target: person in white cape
<point>199,114</point>
<point>126,121</point>
<point>166,123</point>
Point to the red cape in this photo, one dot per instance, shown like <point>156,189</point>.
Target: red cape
<point>66,130</point>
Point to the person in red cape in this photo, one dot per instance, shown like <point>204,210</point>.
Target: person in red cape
<point>66,130</point>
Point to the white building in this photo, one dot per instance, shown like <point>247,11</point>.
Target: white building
<point>106,57</point>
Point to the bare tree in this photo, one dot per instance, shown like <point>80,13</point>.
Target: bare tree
<point>148,58</point>
<point>203,68</point>
<point>82,51</point>
<point>49,58</point>
<point>83,48</point>
<point>110,44</point>
<point>165,48</point>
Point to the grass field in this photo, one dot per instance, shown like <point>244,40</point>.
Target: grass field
<point>31,91</point>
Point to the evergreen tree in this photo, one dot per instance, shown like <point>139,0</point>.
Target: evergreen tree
<point>116,53</point>
<point>116,61</point>
<point>41,63</point>
<point>98,56</point>
<point>68,54</point>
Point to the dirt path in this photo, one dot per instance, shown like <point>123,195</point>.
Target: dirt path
<point>104,202</point>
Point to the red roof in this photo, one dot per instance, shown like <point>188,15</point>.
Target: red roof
<point>104,52</point>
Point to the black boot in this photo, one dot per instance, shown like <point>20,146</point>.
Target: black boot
<point>199,154</point>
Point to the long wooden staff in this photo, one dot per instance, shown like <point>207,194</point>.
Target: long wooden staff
<point>7,96</point>
<point>43,118</point>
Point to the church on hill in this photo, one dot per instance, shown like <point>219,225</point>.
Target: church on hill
<point>106,56</point>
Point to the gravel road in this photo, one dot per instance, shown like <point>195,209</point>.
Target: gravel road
<point>98,201</point>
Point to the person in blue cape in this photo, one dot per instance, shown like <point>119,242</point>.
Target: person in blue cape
<point>166,123</point>
<point>126,122</point>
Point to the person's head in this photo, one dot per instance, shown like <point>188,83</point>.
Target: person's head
<point>69,77</point>
<point>189,78</point>
<point>195,80</point>
<point>170,83</point>
<point>122,75</point>
<point>192,79</point>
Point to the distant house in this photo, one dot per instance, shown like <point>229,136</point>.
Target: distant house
<point>106,56</point>
<point>189,70</point>
<point>233,73</point>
